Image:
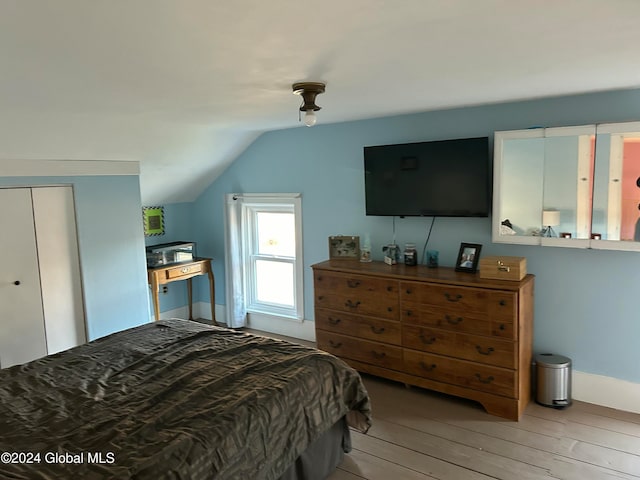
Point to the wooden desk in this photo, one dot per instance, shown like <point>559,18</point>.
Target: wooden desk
<point>182,271</point>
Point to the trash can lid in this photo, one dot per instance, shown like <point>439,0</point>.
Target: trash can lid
<point>551,360</point>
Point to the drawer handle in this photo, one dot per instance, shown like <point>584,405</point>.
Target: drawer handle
<point>334,321</point>
<point>320,297</point>
<point>353,283</point>
<point>378,355</point>
<point>501,327</point>
<point>389,288</point>
<point>335,344</point>
<point>502,303</point>
<point>377,330</point>
<point>389,309</point>
<point>426,367</point>
<point>489,379</point>
<point>427,341</point>
<point>486,351</point>
<point>409,291</point>
<point>351,304</point>
<point>453,298</point>
<point>409,313</point>
<point>453,321</point>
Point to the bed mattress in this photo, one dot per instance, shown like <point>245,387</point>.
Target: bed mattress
<point>173,400</point>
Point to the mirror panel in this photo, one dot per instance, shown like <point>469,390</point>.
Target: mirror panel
<point>568,186</point>
<point>568,181</point>
<point>616,198</point>
<point>518,186</point>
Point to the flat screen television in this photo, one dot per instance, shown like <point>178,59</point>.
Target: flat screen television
<point>447,178</point>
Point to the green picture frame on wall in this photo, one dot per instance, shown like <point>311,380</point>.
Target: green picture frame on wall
<point>153,221</point>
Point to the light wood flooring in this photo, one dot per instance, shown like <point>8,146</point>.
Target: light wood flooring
<point>419,434</point>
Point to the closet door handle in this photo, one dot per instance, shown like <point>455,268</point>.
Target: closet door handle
<point>17,282</point>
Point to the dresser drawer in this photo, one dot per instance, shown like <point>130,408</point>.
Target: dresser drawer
<point>386,331</point>
<point>183,270</point>
<point>365,351</point>
<point>456,320</point>
<point>357,294</point>
<point>487,350</point>
<point>496,304</point>
<point>499,381</point>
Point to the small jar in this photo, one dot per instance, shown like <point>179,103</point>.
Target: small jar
<point>410,254</point>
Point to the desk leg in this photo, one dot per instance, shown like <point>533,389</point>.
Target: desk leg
<point>156,299</point>
<point>189,292</point>
<point>212,295</point>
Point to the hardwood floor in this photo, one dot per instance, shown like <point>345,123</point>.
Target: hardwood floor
<point>419,434</point>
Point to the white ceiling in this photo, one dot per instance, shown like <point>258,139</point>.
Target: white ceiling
<point>184,86</point>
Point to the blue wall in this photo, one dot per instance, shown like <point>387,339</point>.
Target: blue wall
<point>178,222</point>
<point>111,244</point>
<point>585,300</point>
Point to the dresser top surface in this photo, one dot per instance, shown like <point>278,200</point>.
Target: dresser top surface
<point>401,271</point>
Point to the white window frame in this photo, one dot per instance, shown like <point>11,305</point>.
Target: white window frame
<point>272,203</point>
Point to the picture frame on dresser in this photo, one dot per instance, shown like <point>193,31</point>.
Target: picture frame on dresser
<point>344,247</point>
<point>468,257</point>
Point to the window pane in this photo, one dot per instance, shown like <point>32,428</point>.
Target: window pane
<point>274,282</point>
<point>276,234</point>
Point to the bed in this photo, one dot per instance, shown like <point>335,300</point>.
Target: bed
<point>176,399</point>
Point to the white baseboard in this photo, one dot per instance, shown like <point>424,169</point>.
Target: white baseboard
<point>200,310</point>
<point>267,323</point>
<point>182,312</point>
<point>282,326</point>
<point>606,391</point>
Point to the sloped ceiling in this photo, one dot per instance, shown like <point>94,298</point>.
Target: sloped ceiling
<point>184,86</point>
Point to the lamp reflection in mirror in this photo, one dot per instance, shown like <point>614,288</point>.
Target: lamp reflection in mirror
<point>550,218</point>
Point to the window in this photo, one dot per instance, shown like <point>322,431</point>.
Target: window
<point>272,255</point>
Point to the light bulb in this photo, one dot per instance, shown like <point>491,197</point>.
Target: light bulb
<point>310,118</point>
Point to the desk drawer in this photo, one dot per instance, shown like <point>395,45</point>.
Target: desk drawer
<point>180,271</point>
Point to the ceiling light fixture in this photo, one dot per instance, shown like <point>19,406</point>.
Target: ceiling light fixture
<point>309,91</point>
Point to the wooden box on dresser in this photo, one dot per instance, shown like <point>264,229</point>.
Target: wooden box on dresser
<point>434,328</point>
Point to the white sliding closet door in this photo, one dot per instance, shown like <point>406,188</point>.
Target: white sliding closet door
<point>41,304</point>
<point>22,332</point>
<point>54,216</point>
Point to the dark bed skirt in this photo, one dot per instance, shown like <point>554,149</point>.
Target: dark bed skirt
<point>322,457</point>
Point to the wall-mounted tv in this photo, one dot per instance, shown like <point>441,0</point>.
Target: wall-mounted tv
<point>447,178</point>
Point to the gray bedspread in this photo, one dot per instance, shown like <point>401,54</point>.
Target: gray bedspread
<point>173,400</point>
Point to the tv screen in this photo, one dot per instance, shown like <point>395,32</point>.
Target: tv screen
<point>448,178</point>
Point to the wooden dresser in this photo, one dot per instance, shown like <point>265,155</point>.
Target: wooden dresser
<point>434,328</point>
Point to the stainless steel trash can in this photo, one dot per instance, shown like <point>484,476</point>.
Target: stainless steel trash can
<point>553,384</point>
